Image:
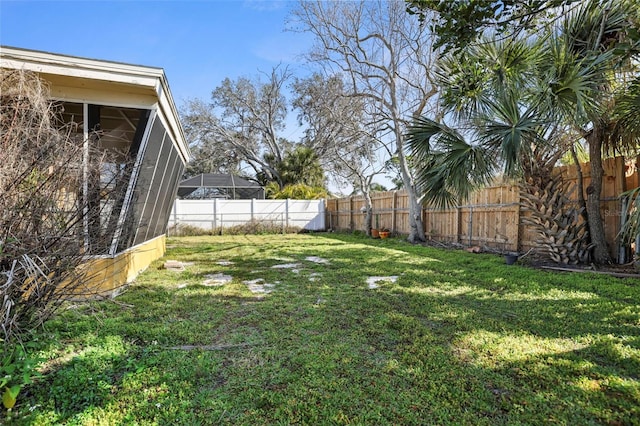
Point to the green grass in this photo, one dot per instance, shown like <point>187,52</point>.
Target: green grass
<point>459,338</point>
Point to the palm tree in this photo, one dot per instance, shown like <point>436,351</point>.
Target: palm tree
<point>589,64</point>
<point>491,95</point>
<point>515,97</point>
<point>302,165</point>
<point>627,115</point>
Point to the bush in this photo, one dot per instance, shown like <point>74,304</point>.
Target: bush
<point>297,191</point>
<point>255,227</point>
<point>42,239</point>
<point>259,227</point>
<point>182,230</point>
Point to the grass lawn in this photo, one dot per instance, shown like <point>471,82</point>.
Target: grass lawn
<point>303,335</point>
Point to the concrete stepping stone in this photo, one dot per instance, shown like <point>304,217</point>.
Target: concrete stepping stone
<point>373,282</point>
<point>216,280</point>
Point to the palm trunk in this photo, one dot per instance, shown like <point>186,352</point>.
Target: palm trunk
<point>581,200</point>
<point>594,191</point>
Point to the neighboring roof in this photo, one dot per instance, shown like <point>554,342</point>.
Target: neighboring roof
<point>142,83</point>
<point>213,180</point>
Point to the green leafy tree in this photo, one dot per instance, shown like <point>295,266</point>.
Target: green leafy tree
<point>297,191</point>
<point>241,125</point>
<point>460,23</point>
<point>301,165</point>
<point>378,187</point>
<point>590,64</point>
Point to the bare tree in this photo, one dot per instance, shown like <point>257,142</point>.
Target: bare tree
<point>387,61</point>
<point>209,154</point>
<point>335,129</point>
<point>243,121</point>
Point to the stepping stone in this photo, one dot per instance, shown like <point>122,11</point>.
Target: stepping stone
<point>286,266</point>
<point>315,276</point>
<point>316,259</point>
<point>259,286</point>
<point>373,281</point>
<point>216,280</point>
<point>174,265</point>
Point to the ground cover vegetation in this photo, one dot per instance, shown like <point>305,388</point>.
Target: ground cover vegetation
<point>297,329</point>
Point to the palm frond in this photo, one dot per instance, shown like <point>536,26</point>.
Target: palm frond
<point>631,228</point>
<point>626,115</point>
<point>510,130</point>
<point>449,168</point>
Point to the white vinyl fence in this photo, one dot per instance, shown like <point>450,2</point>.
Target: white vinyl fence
<point>219,213</point>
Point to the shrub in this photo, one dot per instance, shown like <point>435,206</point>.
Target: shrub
<point>255,227</point>
<point>42,238</point>
<point>260,227</point>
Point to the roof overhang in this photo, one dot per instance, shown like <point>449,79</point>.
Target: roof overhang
<point>102,82</point>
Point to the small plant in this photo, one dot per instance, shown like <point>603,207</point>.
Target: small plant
<point>18,369</point>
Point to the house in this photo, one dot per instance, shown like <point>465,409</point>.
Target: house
<point>127,115</point>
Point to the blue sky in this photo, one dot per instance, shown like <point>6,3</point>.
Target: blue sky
<point>198,43</point>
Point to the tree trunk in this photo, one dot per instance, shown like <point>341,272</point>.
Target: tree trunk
<point>369,210</point>
<point>594,191</point>
<point>416,232</point>
<point>581,200</point>
<point>416,227</point>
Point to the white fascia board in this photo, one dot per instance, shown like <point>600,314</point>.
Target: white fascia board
<point>106,71</point>
<point>171,117</point>
<point>92,69</point>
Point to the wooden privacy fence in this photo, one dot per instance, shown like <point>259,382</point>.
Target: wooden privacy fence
<point>492,216</point>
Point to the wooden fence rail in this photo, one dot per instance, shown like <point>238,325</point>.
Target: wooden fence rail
<point>491,216</point>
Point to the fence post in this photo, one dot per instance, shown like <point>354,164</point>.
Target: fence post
<point>175,217</point>
<point>394,217</point>
<point>215,214</point>
<point>470,224</point>
<point>458,224</point>
<point>351,222</point>
<point>331,219</point>
<point>286,212</point>
<point>252,207</point>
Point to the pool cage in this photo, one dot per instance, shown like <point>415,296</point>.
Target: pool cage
<point>207,186</point>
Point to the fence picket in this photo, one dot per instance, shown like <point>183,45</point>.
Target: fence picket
<point>492,216</point>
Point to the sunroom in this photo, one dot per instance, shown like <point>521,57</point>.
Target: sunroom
<point>134,154</point>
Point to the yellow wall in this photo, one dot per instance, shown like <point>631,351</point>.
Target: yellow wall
<point>107,275</point>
